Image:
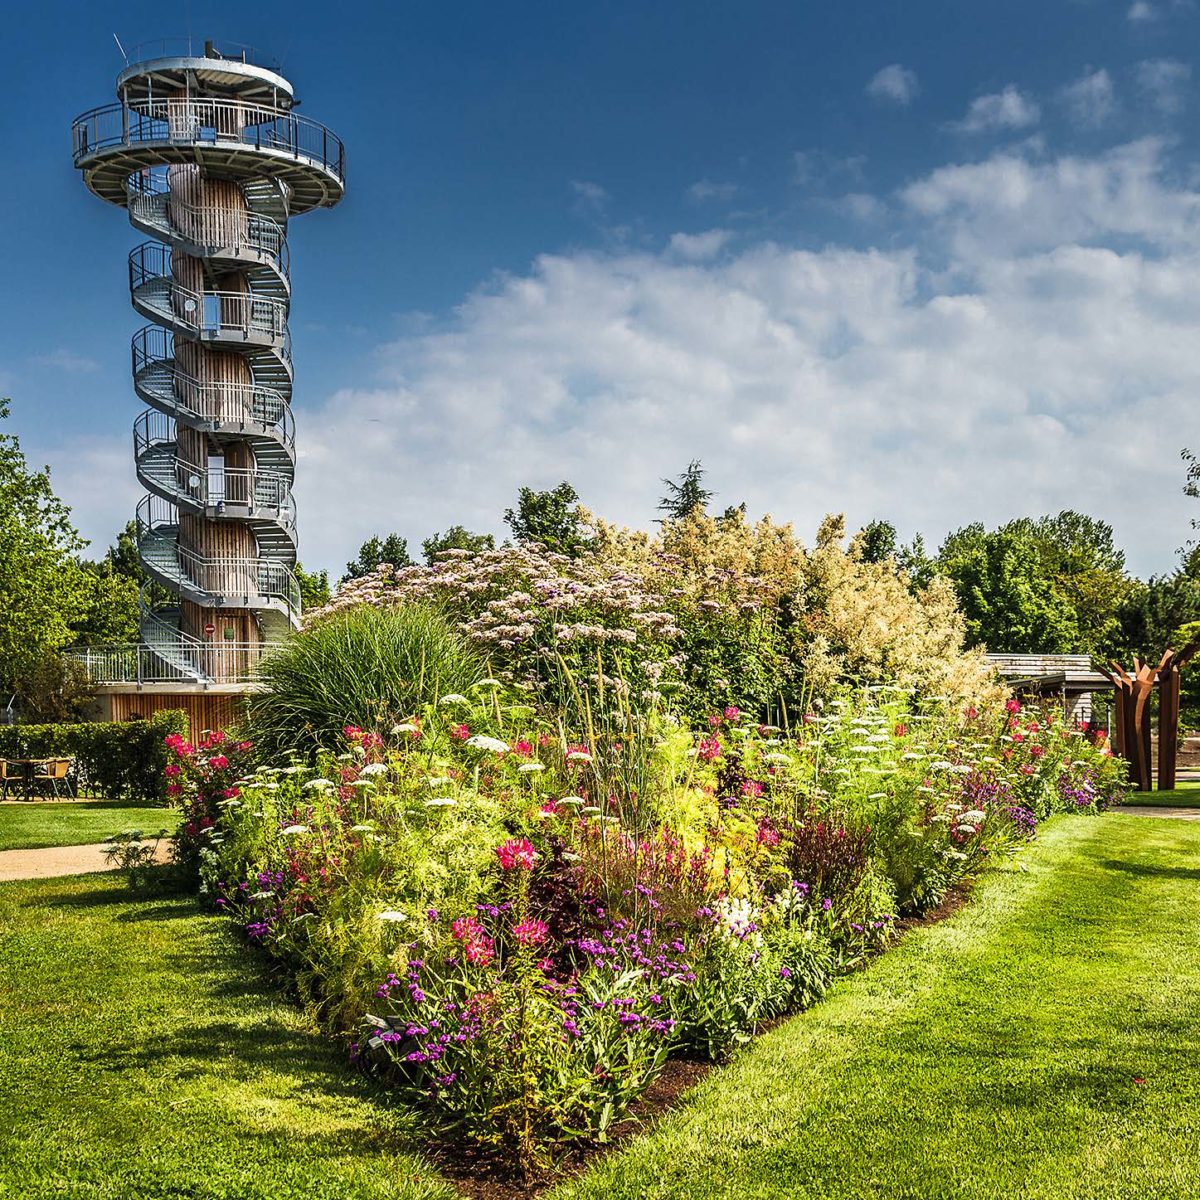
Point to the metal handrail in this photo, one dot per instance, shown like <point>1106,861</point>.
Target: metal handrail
<point>139,662</point>
<point>228,575</point>
<point>186,47</point>
<point>222,403</point>
<point>209,226</point>
<point>205,313</point>
<point>234,487</point>
<point>194,119</point>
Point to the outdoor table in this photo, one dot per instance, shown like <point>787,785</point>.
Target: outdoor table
<point>29,768</point>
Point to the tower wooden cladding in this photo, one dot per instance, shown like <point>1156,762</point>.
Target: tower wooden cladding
<point>211,160</point>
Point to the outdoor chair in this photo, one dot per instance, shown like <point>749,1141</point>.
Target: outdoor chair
<point>54,774</point>
<point>5,778</point>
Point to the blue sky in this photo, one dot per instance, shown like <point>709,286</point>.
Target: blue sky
<point>931,261</point>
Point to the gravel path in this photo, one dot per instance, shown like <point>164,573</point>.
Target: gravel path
<point>1156,810</point>
<point>58,860</point>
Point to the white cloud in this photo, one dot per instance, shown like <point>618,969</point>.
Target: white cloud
<point>704,190</point>
<point>816,168</point>
<point>1164,83</point>
<point>895,84</point>
<point>696,247</point>
<point>1007,109</point>
<point>862,206</point>
<point>1141,11</point>
<point>1036,336</point>
<point>66,360</point>
<point>1092,98</point>
<point>590,197</point>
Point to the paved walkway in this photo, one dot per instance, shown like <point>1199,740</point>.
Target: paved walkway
<point>59,860</point>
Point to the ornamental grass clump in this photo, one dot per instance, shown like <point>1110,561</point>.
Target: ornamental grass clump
<point>362,666</point>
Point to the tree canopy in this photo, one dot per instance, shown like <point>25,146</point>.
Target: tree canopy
<point>687,494</point>
<point>375,551</point>
<point>552,518</point>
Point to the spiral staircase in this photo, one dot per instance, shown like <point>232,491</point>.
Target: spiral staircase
<point>208,156</point>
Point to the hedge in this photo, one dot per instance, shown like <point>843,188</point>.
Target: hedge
<point>118,760</point>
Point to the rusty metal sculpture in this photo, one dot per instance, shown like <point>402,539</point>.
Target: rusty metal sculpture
<point>1132,736</point>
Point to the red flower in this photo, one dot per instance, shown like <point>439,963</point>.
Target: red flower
<point>516,853</point>
<point>970,712</point>
<point>1037,751</point>
<point>352,731</point>
<point>708,749</point>
<point>531,933</point>
<point>459,732</point>
<point>751,789</point>
<point>218,762</point>
<point>523,748</point>
<point>1012,706</point>
<point>901,730</point>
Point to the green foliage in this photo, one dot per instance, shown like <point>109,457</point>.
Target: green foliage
<point>374,552</point>
<point>552,518</point>
<point>875,542</point>
<point>1008,597</point>
<point>687,494</point>
<point>314,587</point>
<point>54,689</point>
<point>363,666</point>
<point>456,538</point>
<point>112,606</point>
<point>1054,585</point>
<point>44,593</point>
<point>114,759</point>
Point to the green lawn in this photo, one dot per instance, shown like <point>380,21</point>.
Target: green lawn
<point>142,1056</point>
<point>28,826</point>
<point>1186,795</point>
<point>1043,1044</point>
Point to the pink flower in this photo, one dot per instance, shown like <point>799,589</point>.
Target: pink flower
<point>172,769</point>
<point>1012,706</point>
<point>901,730</point>
<point>523,748</point>
<point>708,749</point>
<point>219,762</point>
<point>516,853</point>
<point>1037,751</point>
<point>174,789</point>
<point>751,789</point>
<point>352,731</point>
<point>531,933</point>
<point>714,721</point>
<point>970,712</point>
<point>732,712</point>
<point>767,835</point>
<point>460,733</point>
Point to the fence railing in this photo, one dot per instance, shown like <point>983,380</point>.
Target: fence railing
<point>218,661</point>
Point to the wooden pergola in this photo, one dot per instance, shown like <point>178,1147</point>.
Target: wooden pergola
<point>1132,733</point>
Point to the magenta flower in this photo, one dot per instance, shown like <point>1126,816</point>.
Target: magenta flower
<point>531,933</point>
<point>516,853</point>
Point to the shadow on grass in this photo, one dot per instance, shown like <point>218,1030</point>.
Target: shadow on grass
<point>1151,870</point>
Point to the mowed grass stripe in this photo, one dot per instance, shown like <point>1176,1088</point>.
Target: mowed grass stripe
<point>998,1054</point>
<point>143,1055</point>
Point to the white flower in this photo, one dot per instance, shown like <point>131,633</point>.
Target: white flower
<point>441,802</point>
<point>488,683</point>
<point>591,809</point>
<point>362,783</point>
<point>405,727</point>
<point>292,829</point>
<point>579,756</point>
<point>912,755</point>
<point>974,816</point>
<point>483,742</point>
<point>374,769</point>
<point>320,783</point>
<point>296,769</point>
<point>439,780</point>
<point>775,757</point>
<point>454,698</point>
<point>573,801</point>
<point>877,796</point>
<point>361,828</point>
<point>392,914</point>
<point>525,768</point>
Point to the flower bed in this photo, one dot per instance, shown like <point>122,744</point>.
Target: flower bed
<point>517,923</point>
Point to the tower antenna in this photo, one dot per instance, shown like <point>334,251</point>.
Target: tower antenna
<point>121,48</point>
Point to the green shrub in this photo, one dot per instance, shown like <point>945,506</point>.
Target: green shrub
<point>118,760</point>
<point>364,667</point>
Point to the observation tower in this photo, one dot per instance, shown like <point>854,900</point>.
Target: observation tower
<point>206,152</point>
